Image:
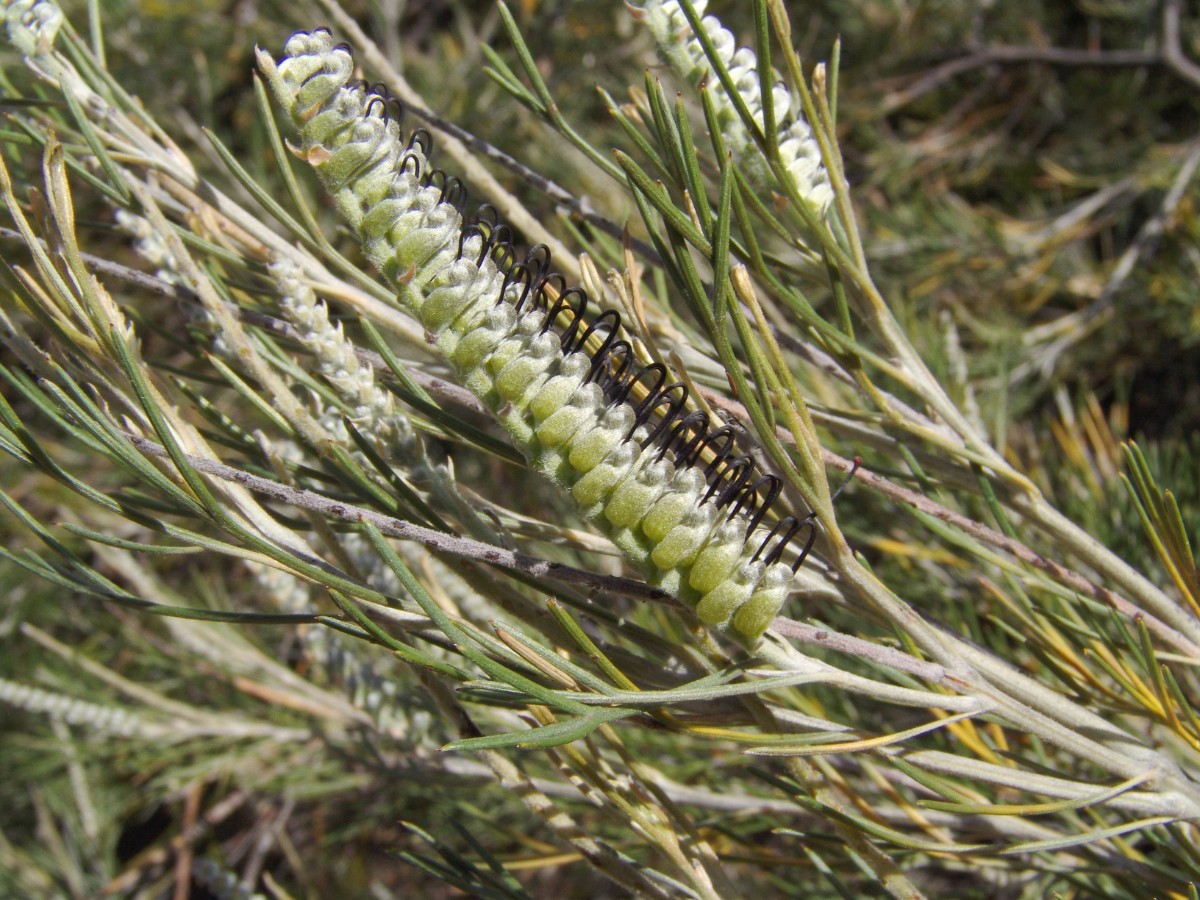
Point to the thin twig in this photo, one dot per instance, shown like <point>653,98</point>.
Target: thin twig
<point>1022,552</point>
<point>1010,55</point>
<point>1169,55</point>
<point>398,528</point>
<point>1072,328</point>
<point>863,649</point>
<point>1172,48</point>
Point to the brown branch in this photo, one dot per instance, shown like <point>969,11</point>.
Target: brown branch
<point>1072,329</point>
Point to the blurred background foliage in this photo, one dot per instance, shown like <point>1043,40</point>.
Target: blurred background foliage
<point>1034,217</point>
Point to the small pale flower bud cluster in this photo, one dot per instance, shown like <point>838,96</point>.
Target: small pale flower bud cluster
<point>372,408</point>
<point>32,25</point>
<point>150,246</point>
<point>341,659</point>
<point>798,149</point>
<point>107,719</point>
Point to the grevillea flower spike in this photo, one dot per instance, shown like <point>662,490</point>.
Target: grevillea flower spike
<point>673,492</point>
<point>798,149</point>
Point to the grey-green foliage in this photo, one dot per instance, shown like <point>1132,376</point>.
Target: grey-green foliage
<point>271,540</point>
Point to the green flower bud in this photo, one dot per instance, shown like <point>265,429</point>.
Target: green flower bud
<point>368,146</point>
<point>580,411</point>
<point>336,69</point>
<point>437,232</point>
<point>715,562</point>
<point>589,446</point>
<point>635,495</point>
<point>525,374</point>
<point>559,388</point>
<point>334,125</point>
<point>757,613</point>
<point>590,490</point>
<point>686,490</point>
<point>718,605</point>
<point>458,287</point>
<point>473,348</point>
<point>679,546</point>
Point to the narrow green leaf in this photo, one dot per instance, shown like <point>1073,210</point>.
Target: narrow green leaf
<point>1037,809</point>
<point>398,369</point>
<point>556,660</point>
<point>111,540</point>
<point>239,384</point>
<point>407,500</point>
<point>116,188</point>
<point>1090,837</point>
<point>766,75</point>
<point>501,73</point>
<point>526,58</point>
<point>932,781</point>
<point>398,648</point>
<point>130,365</point>
<point>718,65</point>
<point>693,180</point>
<point>722,289</point>
<point>634,134</point>
<point>988,492</point>
<point>35,565</point>
<point>465,644</point>
<point>661,201</point>
<point>76,402</point>
<point>263,196</point>
<point>875,829</point>
<point>660,244</point>
<point>555,735</point>
<point>663,125</point>
<point>307,230</point>
<point>589,647</point>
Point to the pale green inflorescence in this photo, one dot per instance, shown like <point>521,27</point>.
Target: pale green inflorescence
<point>73,711</point>
<point>798,149</point>
<point>539,382</point>
<point>371,408</point>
